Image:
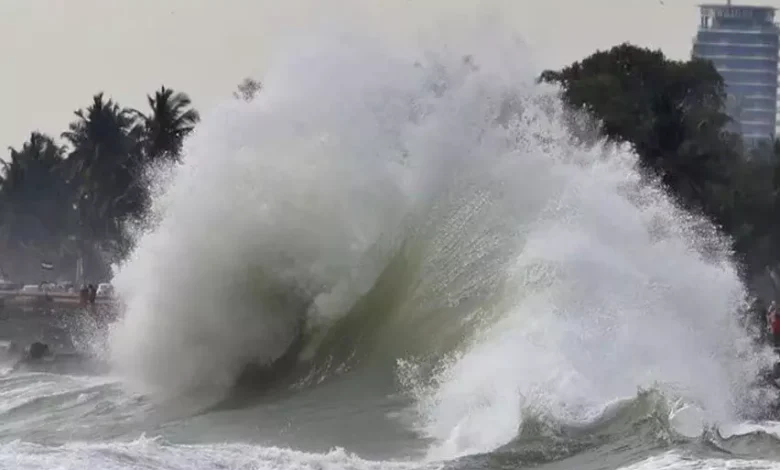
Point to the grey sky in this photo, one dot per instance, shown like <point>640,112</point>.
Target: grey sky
<point>57,53</point>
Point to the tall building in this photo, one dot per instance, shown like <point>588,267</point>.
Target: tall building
<point>742,43</point>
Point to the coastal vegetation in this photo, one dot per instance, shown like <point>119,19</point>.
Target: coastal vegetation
<point>68,200</point>
<point>72,197</point>
<point>672,113</point>
<point>61,200</point>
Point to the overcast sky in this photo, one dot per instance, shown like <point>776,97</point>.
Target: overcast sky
<point>56,53</point>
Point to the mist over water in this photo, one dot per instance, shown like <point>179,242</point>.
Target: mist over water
<point>430,214</point>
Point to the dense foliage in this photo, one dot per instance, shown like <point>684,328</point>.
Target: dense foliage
<point>673,114</point>
<point>62,202</point>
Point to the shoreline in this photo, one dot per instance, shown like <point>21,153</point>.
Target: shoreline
<point>18,298</point>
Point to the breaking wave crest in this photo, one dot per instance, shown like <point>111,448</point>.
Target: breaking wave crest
<point>437,217</point>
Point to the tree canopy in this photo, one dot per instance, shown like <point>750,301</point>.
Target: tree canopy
<point>673,115</point>
<point>59,203</point>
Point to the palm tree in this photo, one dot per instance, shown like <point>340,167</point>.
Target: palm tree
<point>32,178</point>
<point>105,164</point>
<point>99,137</point>
<point>171,119</point>
<point>35,203</point>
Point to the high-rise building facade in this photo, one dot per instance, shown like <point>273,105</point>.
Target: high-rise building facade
<point>742,43</point>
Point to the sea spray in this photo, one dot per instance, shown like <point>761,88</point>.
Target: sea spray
<point>279,202</point>
<point>614,289</point>
<point>435,209</point>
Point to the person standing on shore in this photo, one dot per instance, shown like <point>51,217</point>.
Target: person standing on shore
<point>92,294</point>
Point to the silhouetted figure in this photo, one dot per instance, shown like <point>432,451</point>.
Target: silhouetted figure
<point>92,294</point>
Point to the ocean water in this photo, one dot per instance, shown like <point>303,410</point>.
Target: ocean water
<point>398,258</point>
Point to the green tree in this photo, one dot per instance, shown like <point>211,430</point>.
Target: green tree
<point>35,205</point>
<point>62,204</point>
<point>673,114</point>
<point>171,119</point>
<point>106,164</point>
